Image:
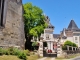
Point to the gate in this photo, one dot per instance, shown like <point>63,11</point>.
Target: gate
<point>46,52</point>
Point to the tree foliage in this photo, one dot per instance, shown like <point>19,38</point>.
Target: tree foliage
<point>68,43</point>
<point>34,20</point>
<point>34,43</point>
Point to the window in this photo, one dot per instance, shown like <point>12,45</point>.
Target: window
<point>75,38</point>
<point>47,37</point>
<point>1,12</point>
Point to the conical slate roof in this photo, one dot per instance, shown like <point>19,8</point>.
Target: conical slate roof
<point>72,26</point>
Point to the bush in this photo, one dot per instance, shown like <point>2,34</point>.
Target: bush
<point>22,55</point>
<point>14,51</point>
<point>64,47</point>
<point>6,52</point>
<point>11,49</point>
<point>74,45</point>
<point>27,52</point>
<point>68,43</point>
<point>1,51</point>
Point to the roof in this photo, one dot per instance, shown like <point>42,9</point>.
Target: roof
<point>48,22</point>
<point>72,26</point>
<point>56,35</point>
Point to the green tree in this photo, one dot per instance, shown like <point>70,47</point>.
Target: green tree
<point>34,22</point>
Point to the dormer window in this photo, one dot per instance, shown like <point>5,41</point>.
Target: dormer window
<point>1,12</point>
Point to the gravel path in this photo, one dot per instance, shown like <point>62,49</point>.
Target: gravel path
<point>42,58</point>
<point>46,58</point>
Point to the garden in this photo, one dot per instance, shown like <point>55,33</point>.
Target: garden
<point>17,54</point>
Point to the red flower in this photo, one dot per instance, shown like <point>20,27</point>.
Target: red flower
<point>49,51</point>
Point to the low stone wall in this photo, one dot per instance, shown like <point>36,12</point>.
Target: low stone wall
<point>66,53</point>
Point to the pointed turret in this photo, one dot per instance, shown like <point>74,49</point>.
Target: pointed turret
<point>72,26</point>
<point>64,34</point>
<point>48,22</point>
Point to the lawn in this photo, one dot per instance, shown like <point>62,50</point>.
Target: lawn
<point>9,57</point>
<point>12,57</point>
<point>32,57</point>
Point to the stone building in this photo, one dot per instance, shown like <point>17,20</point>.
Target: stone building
<point>11,23</point>
<point>48,46</point>
<point>72,33</point>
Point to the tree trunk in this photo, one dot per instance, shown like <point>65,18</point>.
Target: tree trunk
<point>28,43</point>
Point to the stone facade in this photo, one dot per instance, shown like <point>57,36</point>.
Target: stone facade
<point>12,33</point>
<point>47,42</point>
<point>72,33</point>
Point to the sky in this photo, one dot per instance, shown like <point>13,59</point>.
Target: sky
<point>60,12</point>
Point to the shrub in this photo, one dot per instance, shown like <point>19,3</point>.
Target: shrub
<point>1,51</point>
<point>64,47</point>
<point>6,52</point>
<point>22,55</point>
<point>74,45</point>
<point>11,50</point>
<point>14,51</point>
<point>68,43</point>
<point>27,52</point>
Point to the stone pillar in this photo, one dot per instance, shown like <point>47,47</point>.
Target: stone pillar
<point>72,48</point>
<point>52,46</point>
<point>49,45</point>
<point>40,51</point>
<point>75,48</point>
<point>68,48</point>
<point>59,50</point>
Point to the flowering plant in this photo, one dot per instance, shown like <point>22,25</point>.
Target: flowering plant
<point>49,51</point>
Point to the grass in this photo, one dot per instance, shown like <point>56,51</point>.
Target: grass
<point>12,57</point>
<point>9,57</point>
<point>32,57</point>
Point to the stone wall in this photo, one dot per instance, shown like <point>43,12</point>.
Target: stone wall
<point>13,32</point>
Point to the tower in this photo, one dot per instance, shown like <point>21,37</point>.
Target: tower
<point>48,35</point>
<point>11,24</point>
